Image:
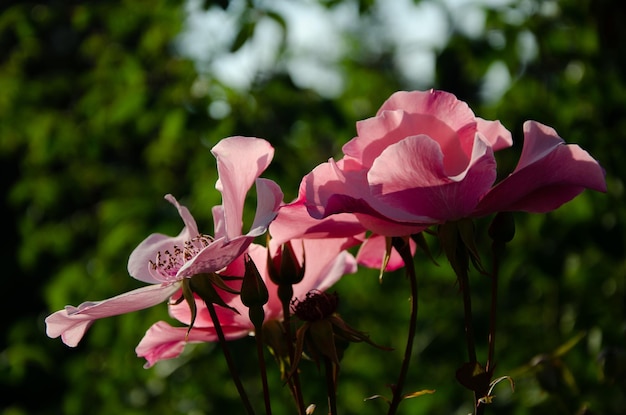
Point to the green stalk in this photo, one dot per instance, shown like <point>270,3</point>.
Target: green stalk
<point>331,387</point>
<point>229,359</point>
<point>285,293</point>
<point>404,250</point>
<point>261,357</point>
<point>494,306</point>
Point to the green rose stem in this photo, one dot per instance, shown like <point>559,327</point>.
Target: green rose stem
<point>205,286</point>
<point>261,356</point>
<point>331,385</point>
<point>229,359</point>
<point>285,293</point>
<point>467,311</point>
<point>469,330</point>
<point>501,231</point>
<point>254,295</point>
<point>457,240</point>
<point>494,307</point>
<point>404,250</point>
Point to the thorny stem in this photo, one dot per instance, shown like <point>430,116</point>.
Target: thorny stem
<point>404,250</point>
<point>229,359</point>
<point>294,381</point>
<point>331,387</point>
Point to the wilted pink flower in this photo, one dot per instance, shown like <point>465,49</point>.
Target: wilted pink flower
<point>425,158</point>
<point>165,261</point>
<point>326,263</point>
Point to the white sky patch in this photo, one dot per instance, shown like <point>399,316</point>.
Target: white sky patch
<point>315,42</point>
<point>317,39</point>
<point>417,66</point>
<point>206,33</point>
<point>259,55</point>
<point>312,28</point>
<point>469,16</point>
<point>527,48</point>
<point>495,82</point>
<point>407,24</point>
<point>415,32</point>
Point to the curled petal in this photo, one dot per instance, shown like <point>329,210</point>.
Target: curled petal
<point>549,173</point>
<point>495,133</point>
<point>146,251</point>
<point>269,198</point>
<point>240,161</point>
<point>219,223</point>
<point>72,322</point>
<point>188,220</point>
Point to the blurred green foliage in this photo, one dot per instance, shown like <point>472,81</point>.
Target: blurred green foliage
<point>99,119</point>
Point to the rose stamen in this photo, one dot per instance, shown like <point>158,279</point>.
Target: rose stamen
<point>168,263</point>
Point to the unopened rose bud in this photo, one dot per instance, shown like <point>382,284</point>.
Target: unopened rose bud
<point>284,268</point>
<point>253,290</point>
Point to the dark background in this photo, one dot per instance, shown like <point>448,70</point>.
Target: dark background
<point>98,120</point>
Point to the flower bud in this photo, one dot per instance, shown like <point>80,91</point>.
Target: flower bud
<point>253,290</point>
<point>324,333</point>
<point>284,268</point>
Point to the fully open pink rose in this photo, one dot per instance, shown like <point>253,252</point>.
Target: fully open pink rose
<point>326,263</point>
<point>425,158</point>
<point>164,261</point>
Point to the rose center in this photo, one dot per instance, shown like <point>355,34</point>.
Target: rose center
<point>169,262</point>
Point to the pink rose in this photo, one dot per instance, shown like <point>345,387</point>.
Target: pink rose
<point>326,263</point>
<point>425,158</point>
<point>165,261</point>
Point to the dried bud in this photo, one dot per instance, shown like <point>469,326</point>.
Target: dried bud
<point>324,333</point>
<point>317,305</point>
